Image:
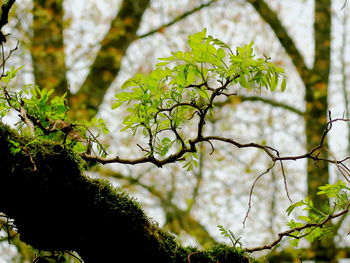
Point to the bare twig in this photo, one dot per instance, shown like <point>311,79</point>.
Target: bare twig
<point>285,182</point>
<point>191,254</point>
<point>4,59</point>
<point>251,192</point>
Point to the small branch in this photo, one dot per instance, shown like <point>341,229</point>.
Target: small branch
<point>24,117</point>
<point>268,150</point>
<point>290,231</point>
<point>148,159</point>
<point>189,256</point>
<point>177,19</point>
<point>271,152</point>
<point>252,189</point>
<point>4,60</point>
<point>285,182</point>
<point>184,104</point>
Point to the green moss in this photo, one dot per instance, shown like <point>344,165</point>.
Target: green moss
<point>219,253</point>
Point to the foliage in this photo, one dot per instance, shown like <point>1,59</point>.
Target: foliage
<point>46,116</point>
<point>184,86</point>
<point>318,217</point>
<point>181,92</point>
<point>229,234</point>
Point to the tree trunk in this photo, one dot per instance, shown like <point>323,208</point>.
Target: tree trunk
<point>316,98</point>
<point>47,48</point>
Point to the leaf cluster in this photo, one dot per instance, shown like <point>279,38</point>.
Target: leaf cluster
<point>46,116</point>
<point>229,234</point>
<point>313,225</point>
<point>183,87</point>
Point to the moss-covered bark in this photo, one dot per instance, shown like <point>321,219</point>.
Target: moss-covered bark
<point>56,208</point>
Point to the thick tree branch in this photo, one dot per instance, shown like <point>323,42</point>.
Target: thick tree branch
<point>178,19</point>
<point>97,212</point>
<point>174,214</point>
<point>5,9</point>
<point>272,102</point>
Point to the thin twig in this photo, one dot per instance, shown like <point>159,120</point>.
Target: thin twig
<point>252,189</point>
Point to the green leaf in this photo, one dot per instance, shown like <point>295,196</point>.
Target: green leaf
<point>293,206</point>
<point>284,84</point>
<point>244,82</point>
<point>294,242</point>
<point>305,218</point>
<point>117,105</point>
<point>273,83</point>
<point>166,140</point>
<point>203,93</point>
<point>220,53</point>
<point>160,64</point>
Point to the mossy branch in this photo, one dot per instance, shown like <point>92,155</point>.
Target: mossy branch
<point>56,208</point>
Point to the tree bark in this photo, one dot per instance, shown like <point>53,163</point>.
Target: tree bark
<point>316,98</point>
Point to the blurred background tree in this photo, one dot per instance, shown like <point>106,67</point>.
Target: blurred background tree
<point>88,48</point>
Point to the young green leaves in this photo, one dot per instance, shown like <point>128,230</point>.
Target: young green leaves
<point>45,116</point>
<point>312,225</point>
<point>184,87</point>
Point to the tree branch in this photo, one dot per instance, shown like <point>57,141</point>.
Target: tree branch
<point>178,19</point>
<point>282,35</point>
<point>290,231</point>
<point>85,103</point>
<point>271,102</point>
<point>268,101</point>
